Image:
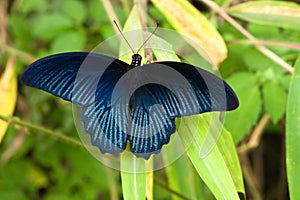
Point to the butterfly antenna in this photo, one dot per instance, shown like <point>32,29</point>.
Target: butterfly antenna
<point>157,24</point>
<point>123,36</point>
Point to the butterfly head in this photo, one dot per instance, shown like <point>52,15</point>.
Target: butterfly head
<point>136,60</point>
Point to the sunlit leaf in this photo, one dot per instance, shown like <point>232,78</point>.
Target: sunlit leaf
<point>133,170</point>
<point>228,150</point>
<point>8,94</point>
<point>188,21</point>
<point>275,13</point>
<point>293,134</point>
<point>150,180</point>
<point>134,182</point>
<point>211,166</point>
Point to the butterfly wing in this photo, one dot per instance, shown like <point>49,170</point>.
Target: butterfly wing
<point>169,90</point>
<point>106,122</point>
<point>183,89</point>
<point>74,76</point>
<point>86,79</point>
<point>150,126</point>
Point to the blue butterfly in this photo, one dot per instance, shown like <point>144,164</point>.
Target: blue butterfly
<point>123,102</point>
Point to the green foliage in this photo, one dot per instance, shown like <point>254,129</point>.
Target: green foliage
<point>279,13</point>
<point>293,134</point>
<point>45,168</point>
<point>75,10</point>
<point>50,25</point>
<point>245,85</point>
<point>213,169</point>
<point>274,100</point>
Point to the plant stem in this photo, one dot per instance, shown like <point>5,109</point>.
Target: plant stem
<point>170,190</point>
<point>39,129</point>
<point>26,57</point>
<point>266,42</point>
<point>111,14</point>
<point>254,140</point>
<point>242,30</point>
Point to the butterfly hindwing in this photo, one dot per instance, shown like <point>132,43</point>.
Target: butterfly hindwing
<point>150,126</point>
<point>106,126</point>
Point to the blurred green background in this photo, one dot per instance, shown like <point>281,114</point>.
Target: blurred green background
<point>40,166</point>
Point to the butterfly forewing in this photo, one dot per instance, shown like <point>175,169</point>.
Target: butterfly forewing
<point>73,76</point>
<point>182,89</point>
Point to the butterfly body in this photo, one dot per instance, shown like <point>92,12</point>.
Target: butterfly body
<point>136,60</point>
<point>123,102</point>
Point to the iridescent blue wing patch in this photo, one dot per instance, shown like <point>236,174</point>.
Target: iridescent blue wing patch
<point>150,127</point>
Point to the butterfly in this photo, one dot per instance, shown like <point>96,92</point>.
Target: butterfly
<point>140,108</point>
<point>133,103</point>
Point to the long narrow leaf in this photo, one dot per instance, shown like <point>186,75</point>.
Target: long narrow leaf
<point>180,182</point>
<point>228,150</point>
<point>211,168</point>
<point>293,134</point>
<point>275,13</point>
<point>133,170</point>
<point>134,181</point>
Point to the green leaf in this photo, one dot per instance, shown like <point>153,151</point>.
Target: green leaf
<point>18,27</point>
<point>135,38</point>
<point>234,62</point>
<point>275,13</point>
<point>134,181</point>
<point>184,183</point>
<point>68,41</point>
<point>228,150</point>
<point>293,134</point>
<point>95,11</point>
<point>201,33</point>
<point>33,5</point>
<point>247,90</point>
<point>133,170</point>
<point>74,9</point>
<point>274,100</point>
<point>285,81</point>
<point>50,25</point>
<point>210,166</point>
<point>12,194</point>
<point>255,60</point>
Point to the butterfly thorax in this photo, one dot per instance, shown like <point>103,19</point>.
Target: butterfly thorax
<point>136,60</point>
